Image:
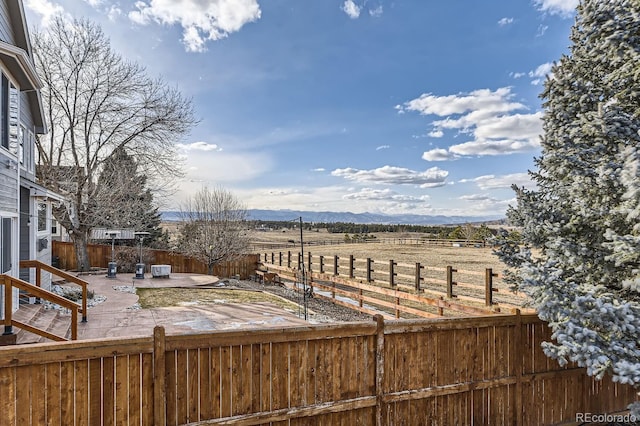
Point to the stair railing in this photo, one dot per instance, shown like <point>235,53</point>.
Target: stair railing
<point>40,266</point>
<point>10,283</point>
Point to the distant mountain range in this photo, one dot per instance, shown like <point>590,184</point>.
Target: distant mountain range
<point>346,217</point>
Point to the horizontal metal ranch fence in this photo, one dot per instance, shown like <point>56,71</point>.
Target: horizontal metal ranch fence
<point>480,370</point>
<point>366,279</point>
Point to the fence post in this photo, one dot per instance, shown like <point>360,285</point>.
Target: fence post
<point>335,265</point>
<point>379,319</point>
<point>322,264</point>
<point>300,264</point>
<point>392,273</point>
<point>273,259</point>
<point>488,286</point>
<point>279,258</point>
<point>519,366</point>
<point>351,267</point>
<point>289,259</point>
<point>309,262</point>
<point>8,305</point>
<point>369,269</point>
<point>159,384</point>
<point>450,282</point>
<point>419,279</point>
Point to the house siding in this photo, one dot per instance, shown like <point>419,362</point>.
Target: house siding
<point>8,184</point>
<point>6,32</point>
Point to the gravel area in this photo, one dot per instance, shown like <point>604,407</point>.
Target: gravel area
<point>319,310</point>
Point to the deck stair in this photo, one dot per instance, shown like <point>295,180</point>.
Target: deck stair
<point>51,321</point>
<point>38,322</point>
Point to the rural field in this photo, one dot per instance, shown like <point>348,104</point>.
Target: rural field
<point>468,262</point>
<point>400,247</point>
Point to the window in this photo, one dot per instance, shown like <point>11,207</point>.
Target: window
<point>5,248</point>
<point>21,135</point>
<point>30,146</point>
<point>13,120</point>
<point>4,112</point>
<point>54,227</point>
<point>42,217</point>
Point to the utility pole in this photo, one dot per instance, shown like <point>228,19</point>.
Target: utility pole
<point>302,273</point>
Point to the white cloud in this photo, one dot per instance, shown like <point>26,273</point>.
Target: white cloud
<point>114,13</point>
<point>430,178</point>
<point>489,117</point>
<point>557,7</point>
<point>94,3</point>
<point>201,20</point>
<point>377,12</point>
<point>46,9</point>
<point>351,9</point>
<point>483,100</point>
<point>319,169</point>
<point>500,182</point>
<point>517,75</point>
<point>382,147</point>
<point>542,29</point>
<point>477,197</point>
<point>505,21</point>
<point>436,133</point>
<point>540,73</point>
<point>437,154</point>
<point>199,146</point>
<point>384,195</point>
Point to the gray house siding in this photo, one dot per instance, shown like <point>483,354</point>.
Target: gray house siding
<point>8,184</point>
<point>6,33</point>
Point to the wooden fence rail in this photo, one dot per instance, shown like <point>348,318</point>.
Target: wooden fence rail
<point>472,286</point>
<point>100,255</point>
<point>480,370</point>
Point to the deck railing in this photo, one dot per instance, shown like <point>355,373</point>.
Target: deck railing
<point>72,279</point>
<point>10,283</point>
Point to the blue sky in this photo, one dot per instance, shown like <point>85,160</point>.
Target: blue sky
<point>404,106</point>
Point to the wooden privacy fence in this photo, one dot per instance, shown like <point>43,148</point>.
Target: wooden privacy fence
<point>100,255</point>
<point>481,370</point>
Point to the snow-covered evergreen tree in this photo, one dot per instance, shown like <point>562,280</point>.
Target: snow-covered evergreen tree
<point>580,262</point>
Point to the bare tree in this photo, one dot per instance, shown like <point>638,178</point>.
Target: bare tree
<point>97,103</point>
<point>213,227</point>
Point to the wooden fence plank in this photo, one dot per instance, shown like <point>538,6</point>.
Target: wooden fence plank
<point>122,389</point>
<point>205,384</point>
<point>23,395</point>
<point>81,394</point>
<point>193,386</point>
<point>148,390</point>
<point>134,389</point>
<point>402,371</point>
<point>8,394</point>
<point>38,394</point>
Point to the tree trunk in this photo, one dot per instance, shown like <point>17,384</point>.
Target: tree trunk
<point>211,265</point>
<point>80,241</point>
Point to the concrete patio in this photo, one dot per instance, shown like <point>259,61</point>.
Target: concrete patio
<point>117,316</point>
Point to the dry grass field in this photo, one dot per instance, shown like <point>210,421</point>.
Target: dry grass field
<point>405,249</point>
<point>400,247</point>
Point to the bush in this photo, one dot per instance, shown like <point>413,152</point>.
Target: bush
<point>127,257</point>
